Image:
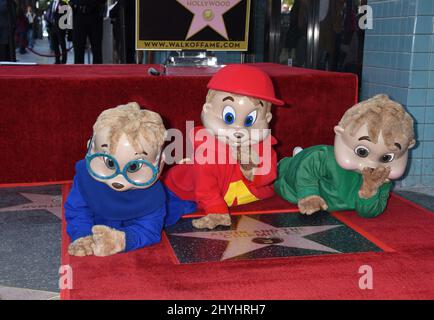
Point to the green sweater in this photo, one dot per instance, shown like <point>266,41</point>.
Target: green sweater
<point>314,171</point>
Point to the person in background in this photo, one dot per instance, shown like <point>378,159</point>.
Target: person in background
<point>46,17</point>
<point>88,23</point>
<point>38,26</point>
<point>332,29</point>
<point>285,15</point>
<point>21,31</point>
<point>31,19</point>
<point>7,26</point>
<point>298,27</point>
<point>124,30</point>
<point>57,34</point>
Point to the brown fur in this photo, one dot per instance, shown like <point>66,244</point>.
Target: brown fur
<point>248,160</point>
<point>212,220</point>
<point>81,247</point>
<point>129,119</point>
<point>311,205</point>
<point>104,241</point>
<point>107,241</point>
<point>382,115</point>
<point>372,180</point>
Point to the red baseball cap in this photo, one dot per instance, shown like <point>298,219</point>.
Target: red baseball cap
<point>244,80</point>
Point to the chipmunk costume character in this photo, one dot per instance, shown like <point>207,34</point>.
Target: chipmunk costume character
<point>234,162</point>
<point>371,148</point>
<point>116,202</point>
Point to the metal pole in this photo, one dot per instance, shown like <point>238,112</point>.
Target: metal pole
<point>316,35</point>
<point>313,34</point>
<point>272,31</point>
<point>11,21</point>
<point>123,53</point>
<point>249,55</point>
<point>150,57</point>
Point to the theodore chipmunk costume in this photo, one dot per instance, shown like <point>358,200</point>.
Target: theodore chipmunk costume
<point>116,202</point>
<point>240,165</point>
<point>370,149</point>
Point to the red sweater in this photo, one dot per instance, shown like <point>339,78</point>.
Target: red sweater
<point>215,186</point>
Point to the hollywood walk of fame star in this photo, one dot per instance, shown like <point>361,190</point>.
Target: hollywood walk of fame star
<point>252,234</point>
<point>51,203</point>
<point>208,15</point>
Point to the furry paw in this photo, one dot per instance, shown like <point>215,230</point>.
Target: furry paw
<point>248,172</point>
<point>212,220</point>
<point>81,247</point>
<point>107,241</point>
<point>311,205</point>
<point>248,159</point>
<point>372,180</point>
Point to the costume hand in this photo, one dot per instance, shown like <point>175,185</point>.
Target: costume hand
<point>81,247</point>
<point>212,220</point>
<point>107,241</point>
<point>248,160</point>
<point>248,173</point>
<point>311,204</point>
<point>372,180</point>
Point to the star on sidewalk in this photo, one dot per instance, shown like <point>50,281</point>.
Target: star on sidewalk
<point>211,16</point>
<point>252,234</point>
<point>51,203</point>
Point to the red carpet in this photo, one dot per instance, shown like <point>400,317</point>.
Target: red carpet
<point>48,111</point>
<point>403,272</point>
<point>47,116</point>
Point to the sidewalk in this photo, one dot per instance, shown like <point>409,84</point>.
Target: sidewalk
<point>42,46</point>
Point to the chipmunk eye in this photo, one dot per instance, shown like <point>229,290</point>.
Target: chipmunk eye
<point>134,167</point>
<point>109,163</point>
<point>389,157</point>
<point>251,119</point>
<point>229,115</point>
<point>361,151</point>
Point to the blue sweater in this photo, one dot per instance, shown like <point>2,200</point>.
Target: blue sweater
<point>140,213</point>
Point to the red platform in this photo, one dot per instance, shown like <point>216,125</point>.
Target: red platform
<point>47,112</point>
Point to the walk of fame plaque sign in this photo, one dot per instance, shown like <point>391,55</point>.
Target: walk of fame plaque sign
<point>214,25</point>
<point>265,236</point>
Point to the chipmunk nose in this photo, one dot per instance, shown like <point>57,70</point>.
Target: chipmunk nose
<point>117,185</point>
<point>238,135</point>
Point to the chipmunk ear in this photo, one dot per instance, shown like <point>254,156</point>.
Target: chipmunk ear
<point>206,107</point>
<point>162,161</point>
<point>268,117</point>
<point>412,144</point>
<point>339,130</point>
<point>90,144</point>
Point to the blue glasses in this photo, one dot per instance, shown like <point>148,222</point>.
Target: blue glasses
<point>140,172</point>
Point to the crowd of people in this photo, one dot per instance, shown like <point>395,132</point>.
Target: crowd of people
<point>20,27</point>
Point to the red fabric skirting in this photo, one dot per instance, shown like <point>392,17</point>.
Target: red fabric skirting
<point>47,112</point>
